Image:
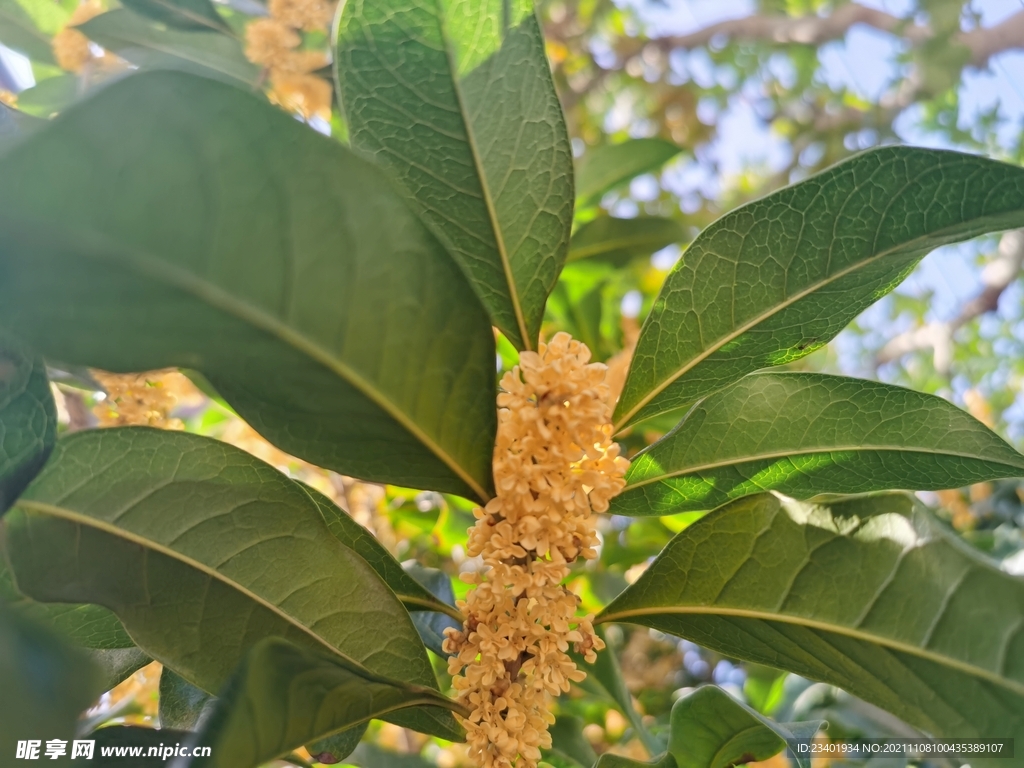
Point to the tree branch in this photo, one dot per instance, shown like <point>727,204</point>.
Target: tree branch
<point>982,44</point>
<point>938,336</point>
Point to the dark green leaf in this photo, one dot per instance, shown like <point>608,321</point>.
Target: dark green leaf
<point>149,45</point>
<point>28,25</point>
<point>432,624</point>
<point>118,664</point>
<point>804,434</point>
<point>285,696</point>
<point>52,95</point>
<point>181,703</point>
<point>605,167</point>
<point>609,760</point>
<point>44,684</point>
<point>606,673</point>
<point>336,748</point>
<point>710,729</point>
<point>455,100</point>
<point>195,226</point>
<point>88,626</point>
<point>619,241</point>
<point>777,278</point>
<point>15,125</point>
<point>870,594</point>
<point>202,550</point>
<point>28,419</point>
<point>181,14</point>
<point>568,744</point>
<point>414,596</point>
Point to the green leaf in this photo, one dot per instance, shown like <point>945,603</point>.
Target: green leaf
<point>605,167</point>
<point>710,729</point>
<point>431,625</point>
<point>181,14</point>
<point>195,226</point>
<point>568,744</point>
<point>87,626</point>
<point>609,760</point>
<point>28,419</point>
<point>202,550</point>
<point>413,595</point>
<point>607,674</point>
<point>181,703</point>
<point>334,749</point>
<point>779,277</point>
<point>44,684</point>
<point>127,737</point>
<point>870,594</point>
<point>149,45</point>
<point>454,99</point>
<point>619,241</point>
<point>369,755</point>
<point>28,25</point>
<point>804,434</point>
<point>14,125</point>
<point>285,696</point>
<point>577,304</point>
<point>52,95</point>
<point>118,664</point>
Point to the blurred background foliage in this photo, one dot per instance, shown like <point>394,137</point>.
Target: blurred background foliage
<point>679,110</point>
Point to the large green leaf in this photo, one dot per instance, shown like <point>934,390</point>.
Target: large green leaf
<point>181,703</point>
<point>28,419</point>
<point>15,125</point>
<point>803,434</point>
<point>124,740</point>
<point>28,25</point>
<point>150,45</point>
<point>44,684</point>
<point>413,595</point>
<point>454,99</point>
<point>182,14</point>
<point>779,277</point>
<point>619,241</point>
<point>605,167</point>
<point>285,696</point>
<point>710,729</point>
<point>118,664</point>
<point>195,226</point>
<point>88,626</point>
<point>870,594</point>
<point>202,550</point>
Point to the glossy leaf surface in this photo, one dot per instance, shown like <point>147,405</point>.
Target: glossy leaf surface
<point>28,419</point>
<point>870,594</point>
<point>803,434</point>
<point>201,550</point>
<point>454,99</point>
<point>285,696</point>
<point>710,729</point>
<point>779,277</point>
<point>246,246</point>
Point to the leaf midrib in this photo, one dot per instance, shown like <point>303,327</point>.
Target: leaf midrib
<point>945,661</point>
<point>485,189</point>
<point>907,246</point>
<point>216,297</point>
<point>856,448</point>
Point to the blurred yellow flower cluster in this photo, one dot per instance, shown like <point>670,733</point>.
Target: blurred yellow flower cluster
<point>554,465</point>
<point>70,47</point>
<point>273,43</point>
<point>141,399</point>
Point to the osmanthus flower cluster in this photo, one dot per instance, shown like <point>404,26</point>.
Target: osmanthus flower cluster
<point>555,465</point>
<point>275,43</point>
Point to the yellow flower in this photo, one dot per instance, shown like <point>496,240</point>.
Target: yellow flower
<point>310,15</point>
<point>71,47</point>
<point>554,465</point>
